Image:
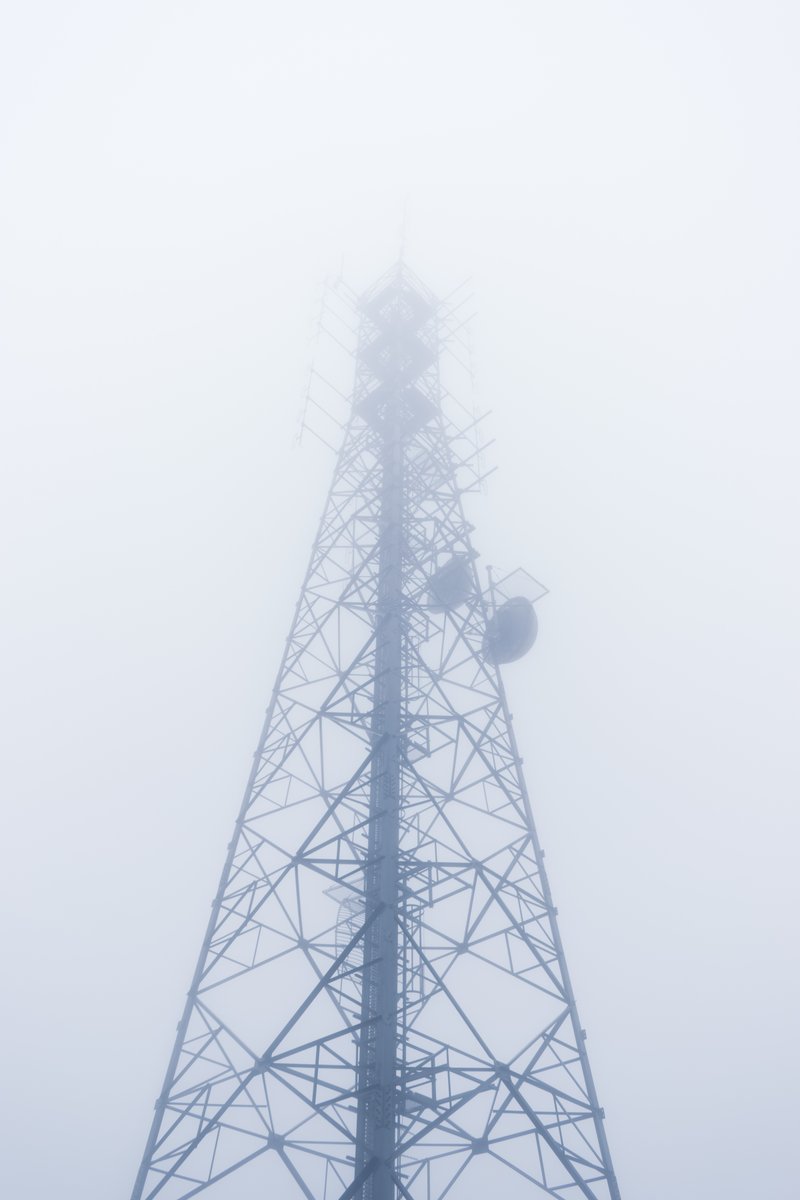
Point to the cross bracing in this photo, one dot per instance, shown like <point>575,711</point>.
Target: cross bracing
<point>381,1006</point>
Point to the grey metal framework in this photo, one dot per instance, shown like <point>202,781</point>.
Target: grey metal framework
<point>381,1007</point>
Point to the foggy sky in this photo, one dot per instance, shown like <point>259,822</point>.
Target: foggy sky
<point>620,183</point>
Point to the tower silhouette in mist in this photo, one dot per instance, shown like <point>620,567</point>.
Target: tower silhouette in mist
<point>381,1006</point>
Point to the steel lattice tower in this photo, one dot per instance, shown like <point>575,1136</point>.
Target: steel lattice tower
<point>381,1007</point>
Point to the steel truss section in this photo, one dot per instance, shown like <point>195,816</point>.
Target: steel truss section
<point>381,1006</point>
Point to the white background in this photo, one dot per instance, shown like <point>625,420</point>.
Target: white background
<point>620,181</point>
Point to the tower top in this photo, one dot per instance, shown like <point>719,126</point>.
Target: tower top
<point>399,295</point>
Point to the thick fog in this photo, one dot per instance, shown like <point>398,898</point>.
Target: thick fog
<point>619,183</point>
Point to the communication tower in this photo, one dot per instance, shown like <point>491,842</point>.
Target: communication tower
<point>381,1006</point>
